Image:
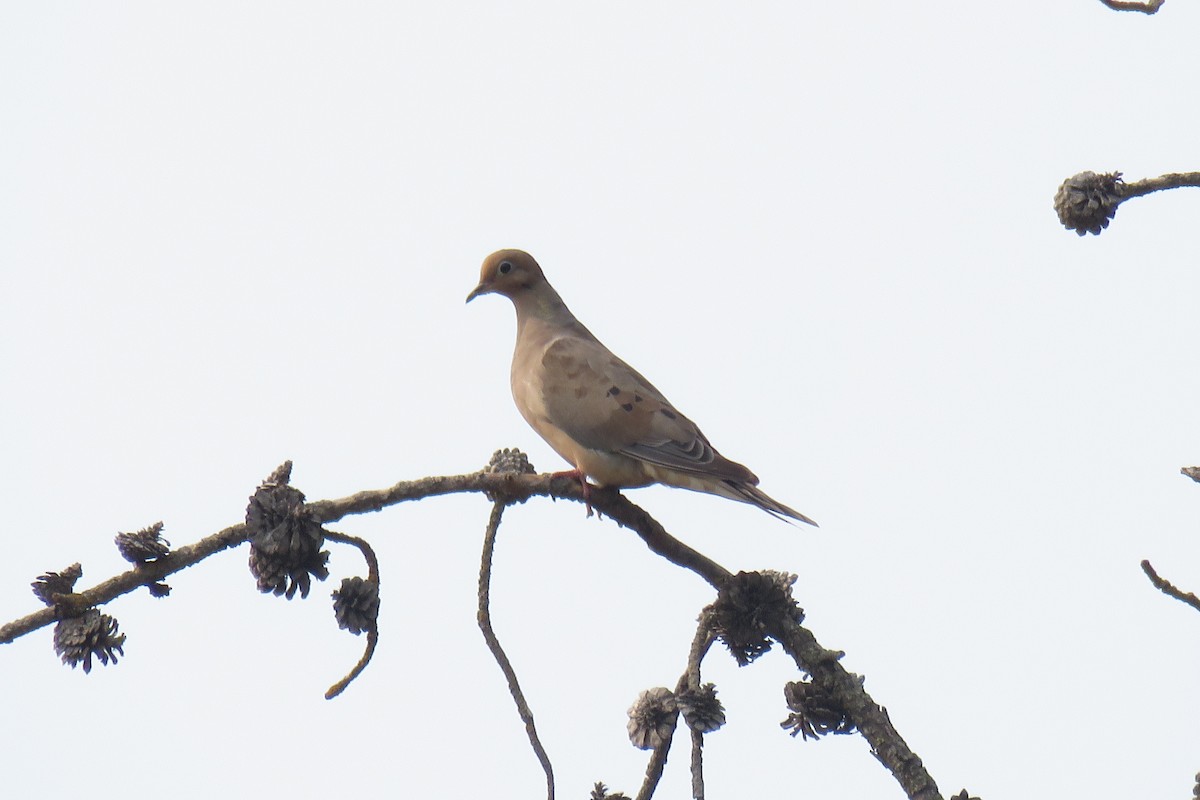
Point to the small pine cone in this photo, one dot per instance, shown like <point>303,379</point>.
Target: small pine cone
<point>158,589</point>
<point>285,541</point>
<point>750,607</point>
<point>510,459</point>
<point>814,712</point>
<point>77,639</point>
<point>963,795</point>
<point>652,718</point>
<point>702,711</point>
<point>1086,202</point>
<point>144,545</point>
<point>600,792</point>
<point>52,583</point>
<point>356,605</point>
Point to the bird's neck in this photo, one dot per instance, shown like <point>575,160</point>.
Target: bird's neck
<point>542,306</point>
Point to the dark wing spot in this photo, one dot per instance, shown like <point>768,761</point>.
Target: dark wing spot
<point>637,398</point>
<point>668,413</point>
<point>627,406</point>
<point>614,391</point>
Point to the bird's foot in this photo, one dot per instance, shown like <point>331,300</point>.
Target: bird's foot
<point>584,486</point>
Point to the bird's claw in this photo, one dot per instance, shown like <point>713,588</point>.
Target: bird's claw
<point>584,486</point>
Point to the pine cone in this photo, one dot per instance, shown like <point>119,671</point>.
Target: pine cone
<point>52,583</point>
<point>144,545</point>
<point>77,639</point>
<point>652,718</point>
<point>702,711</point>
<point>285,541</point>
<point>1086,202</point>
<point>356,605</point>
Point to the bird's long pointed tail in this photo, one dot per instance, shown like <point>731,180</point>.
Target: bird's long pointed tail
<point>748,493</point>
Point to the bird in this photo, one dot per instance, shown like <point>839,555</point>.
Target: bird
<point>596,411</point>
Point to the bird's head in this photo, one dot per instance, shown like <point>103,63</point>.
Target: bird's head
<point>508,272</point>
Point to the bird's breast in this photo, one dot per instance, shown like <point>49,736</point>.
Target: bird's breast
<point>603,467</point>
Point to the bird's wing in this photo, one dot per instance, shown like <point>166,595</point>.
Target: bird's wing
<point>602,403</point>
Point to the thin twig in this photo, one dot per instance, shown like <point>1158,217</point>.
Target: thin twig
<point>701,643</point>
<point>1169,589</point>
<point>1148,7</point>
<point>690,679</point>
<point>1172,180</point>
<point>372,632</point>
<point>654,769</point>
<point>484,616</point>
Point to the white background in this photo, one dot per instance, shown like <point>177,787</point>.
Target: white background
<point>236,233</point>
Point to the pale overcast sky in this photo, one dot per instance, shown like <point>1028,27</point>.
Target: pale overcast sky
<point>238,233</point>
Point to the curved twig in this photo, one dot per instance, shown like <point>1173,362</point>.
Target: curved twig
<point>1169,589</point>
<point>372,632</point>
<point>484,617</point>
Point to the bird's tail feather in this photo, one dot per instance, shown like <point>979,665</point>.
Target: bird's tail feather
<point>748,493</point>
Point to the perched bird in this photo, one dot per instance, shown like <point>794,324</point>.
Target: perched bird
<point>595,410</point>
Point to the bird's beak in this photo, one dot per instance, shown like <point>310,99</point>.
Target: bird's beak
<point>482,288</point>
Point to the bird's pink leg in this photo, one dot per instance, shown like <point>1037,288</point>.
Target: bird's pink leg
<point>584,486</point>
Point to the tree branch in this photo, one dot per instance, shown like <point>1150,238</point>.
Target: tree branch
<point>512,487</point>
<point>515,487</point>
<point>655,767</point>
<point>869,717</point>
<point>1172,180</point>
<point>1169,589</point>
<point>179,559</point>
<point>690,679</point>
<point>1148,7</point>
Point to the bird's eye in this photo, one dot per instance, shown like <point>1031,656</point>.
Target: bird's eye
<point>505,267</point>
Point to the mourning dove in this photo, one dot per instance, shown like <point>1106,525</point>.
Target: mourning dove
<point>595,410</point>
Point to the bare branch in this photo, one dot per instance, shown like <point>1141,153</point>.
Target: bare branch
<point>1169,589</point>
<point>484,617</point>
<point>1148,7</point>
